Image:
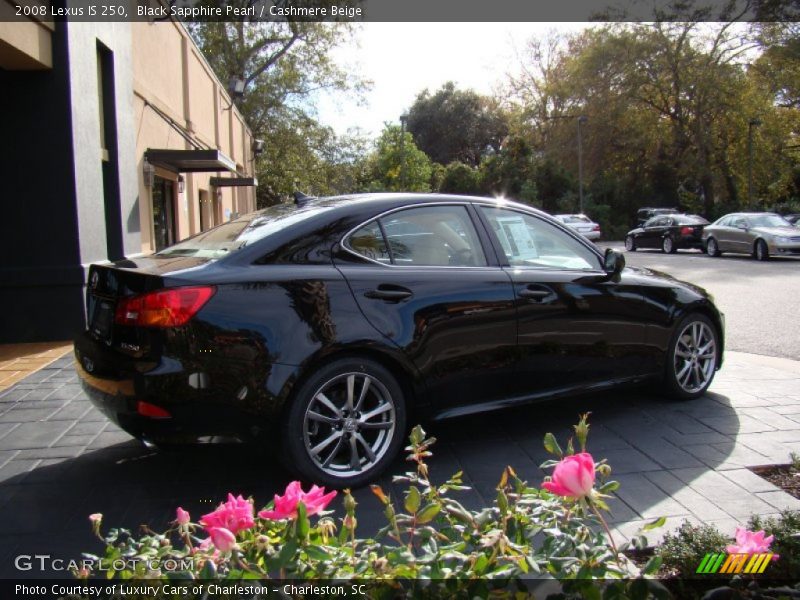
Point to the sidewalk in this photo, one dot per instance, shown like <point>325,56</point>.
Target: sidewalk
<point>17,361</point>
<point>60,459</point>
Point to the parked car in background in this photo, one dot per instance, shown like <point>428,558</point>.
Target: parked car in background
<point>582,224</point>
<point>327,325</point>
<point>645,214</point>
<point>668,232</point>
<point>757,234</point>
<point>793,219</point>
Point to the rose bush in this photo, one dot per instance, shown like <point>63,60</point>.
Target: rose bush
<point>554,531</point>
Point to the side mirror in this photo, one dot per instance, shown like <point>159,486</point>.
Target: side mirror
<point>613,262</point>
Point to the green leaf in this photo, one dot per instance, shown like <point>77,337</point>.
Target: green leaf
<point>302,521</point>
<point>652,566</point>
<point>551,445</point>
<point>428,513</point>
<point>286,555</point>
<point>659,522</point>
<point>608,487</point>
<point>317,553</point>
<point>209,570</point>
<point>413,499</point>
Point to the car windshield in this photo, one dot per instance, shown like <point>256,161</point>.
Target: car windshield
<point>768,221</point>
<point>229,237</point>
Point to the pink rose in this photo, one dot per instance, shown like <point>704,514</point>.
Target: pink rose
<point>222,539</point>
<point>182,516</point>
<point>750,542</point>
<point>573,477</point>
<point>315,500</point>
<point>95,518</point>
<point>234,515</point>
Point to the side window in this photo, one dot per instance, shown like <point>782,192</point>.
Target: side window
<point>368,242</point>
<point>533,242</point>
<point>652,222</point>
<point>433,236</point>
<point>739,223</point>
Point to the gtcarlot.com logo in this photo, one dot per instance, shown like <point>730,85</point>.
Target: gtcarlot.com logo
<point>724,563</point>
<point>46,562</point>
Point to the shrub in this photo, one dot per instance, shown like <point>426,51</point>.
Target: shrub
<point>682,550</point>
<point>786,543</point>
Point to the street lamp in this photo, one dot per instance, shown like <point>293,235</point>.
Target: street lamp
<point>750,125</point>
<point>581,121</point>
<point>403,121</point>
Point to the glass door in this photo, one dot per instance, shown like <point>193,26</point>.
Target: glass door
<point>164,224</point>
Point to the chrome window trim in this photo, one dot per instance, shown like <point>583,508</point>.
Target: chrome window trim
<point>346,237</point>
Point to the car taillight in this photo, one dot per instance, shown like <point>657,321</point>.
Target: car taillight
<point>151,410</point>
<point>164,308</point>
<point>596,228</point>
<point>686,231</point>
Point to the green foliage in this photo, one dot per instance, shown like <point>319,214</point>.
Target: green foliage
<point>460,179</point>
<point>684,549</point>
<point>526,532</point>
<point>397,164</point>
<point>456,125</point>
<point>786,529</point>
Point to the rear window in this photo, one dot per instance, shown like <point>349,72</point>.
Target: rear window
<point>690,220</point>
<point>234,235</point>
<point>575,219</point>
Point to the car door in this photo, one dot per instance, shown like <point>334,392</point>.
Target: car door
<point>577,325</point>
<point>740,238</point>
<point>432,286</point>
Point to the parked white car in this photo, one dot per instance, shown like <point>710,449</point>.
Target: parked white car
<point>582,224</point>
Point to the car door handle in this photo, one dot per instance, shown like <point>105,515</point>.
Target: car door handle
<point>394,293</point>
<point>535,293</point>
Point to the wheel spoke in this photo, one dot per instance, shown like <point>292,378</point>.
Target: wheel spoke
<point>314,416</point>
<point>363,393</point>
<point>334,452</point>
<point>355,459</point>
<point>683,353</point>
<point>378,425</point>
<point>679,375</point>
<point>326,442</point>
<point>366,446</point>
<point>376,411</point>
<point>351,384</point>
<point>323,399</point>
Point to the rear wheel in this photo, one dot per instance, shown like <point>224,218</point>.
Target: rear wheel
<point>345,425</point>
<point>760,250</point>
<point>692,358</point>
<point>668,245</point>
<point>712,249</point>
<point>630,244</point>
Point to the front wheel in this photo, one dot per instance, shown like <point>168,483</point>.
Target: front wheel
<point>630,244</point>
<point>668,245</point>
<point>692,357</point>
<point>712,249</point>
<point>760,251</point>
<point>345,425</point>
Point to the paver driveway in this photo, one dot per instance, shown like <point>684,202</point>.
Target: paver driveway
<point>60,460</point>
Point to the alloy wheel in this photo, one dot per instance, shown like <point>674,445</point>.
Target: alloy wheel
<point>630,245</point>
<point>695,356</point>
<point>667,245</point>
<point>349,424</point>
<point>712,247</point>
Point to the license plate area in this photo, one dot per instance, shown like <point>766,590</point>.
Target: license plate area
<point>102,317</point>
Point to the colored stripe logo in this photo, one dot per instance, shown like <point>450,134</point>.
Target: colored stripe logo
<point>734,563</point>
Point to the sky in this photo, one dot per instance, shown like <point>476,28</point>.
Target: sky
<point>402,59</point>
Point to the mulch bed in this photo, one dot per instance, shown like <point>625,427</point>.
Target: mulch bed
<point>786,477</point>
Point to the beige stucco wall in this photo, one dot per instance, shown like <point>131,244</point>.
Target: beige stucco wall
<point>25,45</point>
<point>171,75</point>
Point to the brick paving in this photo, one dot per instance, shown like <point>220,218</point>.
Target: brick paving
<point>17,361</point>
<point>61,460</point>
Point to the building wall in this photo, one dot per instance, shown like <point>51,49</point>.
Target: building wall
<point>183,88</point>
<point>59,215</point>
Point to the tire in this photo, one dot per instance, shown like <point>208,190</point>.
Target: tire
<point>712,248</point>
<point>330,448</point>
<point>630,244</point>
<point>668,245</point>
<point>692,357</point>
<point>760,250</point>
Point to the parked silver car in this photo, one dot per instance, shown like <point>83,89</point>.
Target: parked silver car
<point>758,234</point>
<point>582,224</point>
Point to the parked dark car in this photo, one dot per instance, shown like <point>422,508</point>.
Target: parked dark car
<point>330,324</point>
<point>645,214</point>
<point>668,232</point>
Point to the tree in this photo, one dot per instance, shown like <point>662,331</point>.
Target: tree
<point>396,166</point>
<point>456,125</point>
<point>460,179</point>
<point>284,66</point>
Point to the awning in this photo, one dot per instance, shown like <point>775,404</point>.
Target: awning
<point>234,182</point>
<point>190,161</point>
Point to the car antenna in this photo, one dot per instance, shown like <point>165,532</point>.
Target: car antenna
<point>300,198</point>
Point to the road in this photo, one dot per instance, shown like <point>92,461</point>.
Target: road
<point>759,300</point>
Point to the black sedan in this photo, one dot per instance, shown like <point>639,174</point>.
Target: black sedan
<point>668,232</point>
<point>328,324</point>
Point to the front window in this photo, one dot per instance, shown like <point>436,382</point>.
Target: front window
<point>532,242</point>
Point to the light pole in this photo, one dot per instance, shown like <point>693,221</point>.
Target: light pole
<point>403,121</point>
<point>750,125</point>
<point>581,120</point>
